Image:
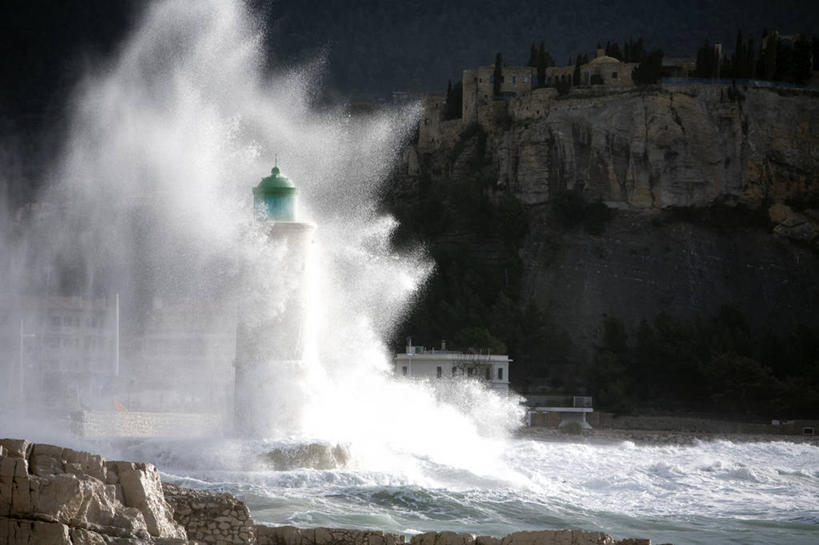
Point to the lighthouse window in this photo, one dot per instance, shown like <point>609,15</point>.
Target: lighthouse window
<point>500,373</point>
<point>438,372</point>
<point>404,370</point>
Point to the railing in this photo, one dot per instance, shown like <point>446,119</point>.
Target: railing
<point>582,402</point>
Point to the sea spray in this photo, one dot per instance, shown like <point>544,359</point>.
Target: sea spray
<point>152,202</point>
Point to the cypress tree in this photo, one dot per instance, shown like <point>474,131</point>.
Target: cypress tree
<point>533,57</point>
<point>497,75</point>
<point>615,51</point>
<point>576,77</point>
<point>544,60</point>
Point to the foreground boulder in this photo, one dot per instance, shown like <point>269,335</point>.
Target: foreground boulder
<point>51,495</point>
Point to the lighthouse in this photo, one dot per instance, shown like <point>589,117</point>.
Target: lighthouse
<point>270,338</point>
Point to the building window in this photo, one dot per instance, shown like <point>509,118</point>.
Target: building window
<point>500,373</point>
<point>488,373</point>
<point>614,75</point>
<point>438,372</point>
<point>525,79</point>
<point>454,370</point>
<point>470,371</point>
<point>492,79</point>
<point>404,370</point>
<point>514,78</point>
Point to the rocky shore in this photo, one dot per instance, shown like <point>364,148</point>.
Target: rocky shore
<point>51,495</point>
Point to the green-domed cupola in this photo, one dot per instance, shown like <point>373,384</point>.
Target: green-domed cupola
<point>275,197</point>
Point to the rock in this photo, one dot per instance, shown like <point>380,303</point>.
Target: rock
<point>558,537</point>
<point>779,212</point>
<point>16,448</point>
<point>33,532</point>
<point>142,489</point>
<point>277,535</point>
<point>311,455</point>
<point>487,540</point>
<point>797,227</point>
<point>84,462</point>
<point>442,538</point>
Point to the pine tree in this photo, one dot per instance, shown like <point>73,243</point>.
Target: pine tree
<point>533,58</point>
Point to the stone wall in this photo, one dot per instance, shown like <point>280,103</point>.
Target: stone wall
<point>209,517</point>
<point>101,424</point>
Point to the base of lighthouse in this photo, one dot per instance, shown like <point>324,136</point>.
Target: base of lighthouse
<point>270,338</point>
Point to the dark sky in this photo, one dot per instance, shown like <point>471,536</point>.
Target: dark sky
<point>374,47</point>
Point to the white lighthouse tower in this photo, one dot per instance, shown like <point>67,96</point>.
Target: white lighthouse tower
<point>268,345</point>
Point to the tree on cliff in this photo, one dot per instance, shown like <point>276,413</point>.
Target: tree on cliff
<point>454,100</point>
<point>650,70</point>
<point>576,77</point>
<point>707,61</point>
<point>532,56</point>
<point>544,60</point>
<point>634,51</point>
<point>613,50</point>
<point>742,60</point>
<point>497,75</point>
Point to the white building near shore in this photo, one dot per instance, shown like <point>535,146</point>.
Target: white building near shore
<point>420,362</point>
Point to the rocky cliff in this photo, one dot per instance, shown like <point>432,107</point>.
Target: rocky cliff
<point>669,147</point>
<point>58,496</point>
<point>712,195</point>
<point>51,495</point>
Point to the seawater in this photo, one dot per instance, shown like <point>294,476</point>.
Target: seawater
<point>709,492</point>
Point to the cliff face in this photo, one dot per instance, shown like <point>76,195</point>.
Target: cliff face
<point>647,262</point>
<point>683,146</point>
<point>696,181</point>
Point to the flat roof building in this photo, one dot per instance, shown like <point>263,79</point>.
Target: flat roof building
<point>420,362</point>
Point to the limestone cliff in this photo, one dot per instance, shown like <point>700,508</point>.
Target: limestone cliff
<point>712,192</point>
<point>683,146</point>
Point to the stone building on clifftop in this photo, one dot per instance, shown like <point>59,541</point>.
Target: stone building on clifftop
<point>521,81</point>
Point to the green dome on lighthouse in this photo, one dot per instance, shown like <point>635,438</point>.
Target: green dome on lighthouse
<point>275,197</point>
